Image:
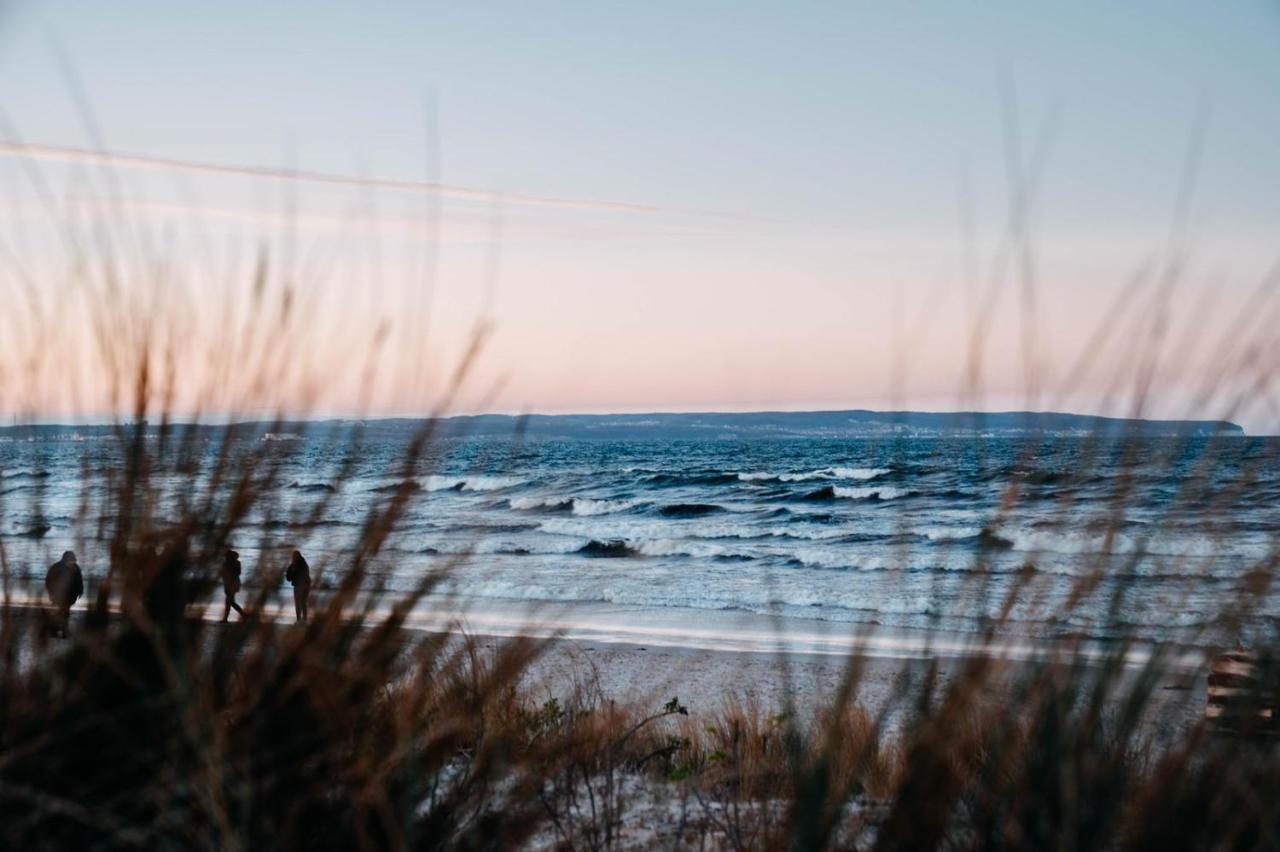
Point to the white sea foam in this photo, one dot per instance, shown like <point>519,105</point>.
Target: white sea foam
<point>527,503</point>
<point>949,533</point>
<point>865,492</point>
<point>855,473</point>
<point>436,482</point>
<point>585,506</point>
<point>580,506</point>
<point>606,584</point>
<point>860,472</point>
<point>798,532</point>
<point>1161,544</point>
<point>678,547</point>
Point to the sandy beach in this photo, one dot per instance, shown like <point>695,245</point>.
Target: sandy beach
<point>704,680</point>
<point>711,659</point>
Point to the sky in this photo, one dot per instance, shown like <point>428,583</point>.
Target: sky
<point>665,206</point>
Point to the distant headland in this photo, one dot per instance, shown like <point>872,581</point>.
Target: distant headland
<point>856,423</point>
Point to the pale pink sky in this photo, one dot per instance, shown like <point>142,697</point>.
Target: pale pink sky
<point>589,309</point>
<point>704,208</point>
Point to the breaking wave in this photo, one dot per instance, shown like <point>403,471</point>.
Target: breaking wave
<point>580,506</point>
<point>865,492</point>
<point>854,473</point>
<point>471,483</point>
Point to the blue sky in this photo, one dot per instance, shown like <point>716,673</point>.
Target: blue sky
<point>828,112</point>
<point>846,134</point>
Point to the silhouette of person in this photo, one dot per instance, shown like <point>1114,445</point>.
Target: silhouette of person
<point>231,583</point>
<point>65,585</point>
<point>299,574</point>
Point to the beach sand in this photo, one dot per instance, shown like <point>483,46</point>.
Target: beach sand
<point>704,680</point>
<point>709,659</point>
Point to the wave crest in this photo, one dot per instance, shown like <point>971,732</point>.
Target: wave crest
<point>437,482</point>
<point>860,474</point>
<point>860,492</point>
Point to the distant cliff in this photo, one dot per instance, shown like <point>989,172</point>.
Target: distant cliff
<point>728,426</point>
<point>832,424</point>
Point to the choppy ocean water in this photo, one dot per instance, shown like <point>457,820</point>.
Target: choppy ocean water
<point>1155,538</point>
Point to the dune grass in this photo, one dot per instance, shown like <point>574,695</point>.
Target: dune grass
<point>155,727</point>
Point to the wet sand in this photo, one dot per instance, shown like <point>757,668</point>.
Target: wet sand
<point>742,658</point>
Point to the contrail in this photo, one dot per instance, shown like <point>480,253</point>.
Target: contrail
<point>59,153</point>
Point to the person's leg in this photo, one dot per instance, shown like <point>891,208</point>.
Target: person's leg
<point>232,600</point>
<point>299,603</point>
<point>226,607</point>
<point>306,593</point>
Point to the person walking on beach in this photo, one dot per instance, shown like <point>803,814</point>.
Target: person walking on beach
<point>231,583</point>
<point>299,574</point>
<point>65,585</point>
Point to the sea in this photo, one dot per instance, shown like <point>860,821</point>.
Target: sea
<point>1154,539</point>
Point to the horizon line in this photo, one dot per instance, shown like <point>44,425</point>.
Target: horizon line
<point>337,417</point>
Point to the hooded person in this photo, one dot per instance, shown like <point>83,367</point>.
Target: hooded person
<point>65,585</point>
<point>231,583</point>
<point>299,574</point>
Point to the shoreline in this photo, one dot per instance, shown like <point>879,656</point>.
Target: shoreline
<point>646,663</point>
<point>710,630</point>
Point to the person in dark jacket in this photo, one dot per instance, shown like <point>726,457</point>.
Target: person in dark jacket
<point>299,574</point>
<point>231,583</point>
<point>65,585</point>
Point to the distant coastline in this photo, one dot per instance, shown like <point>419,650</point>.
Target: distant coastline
<point>854,423</point>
